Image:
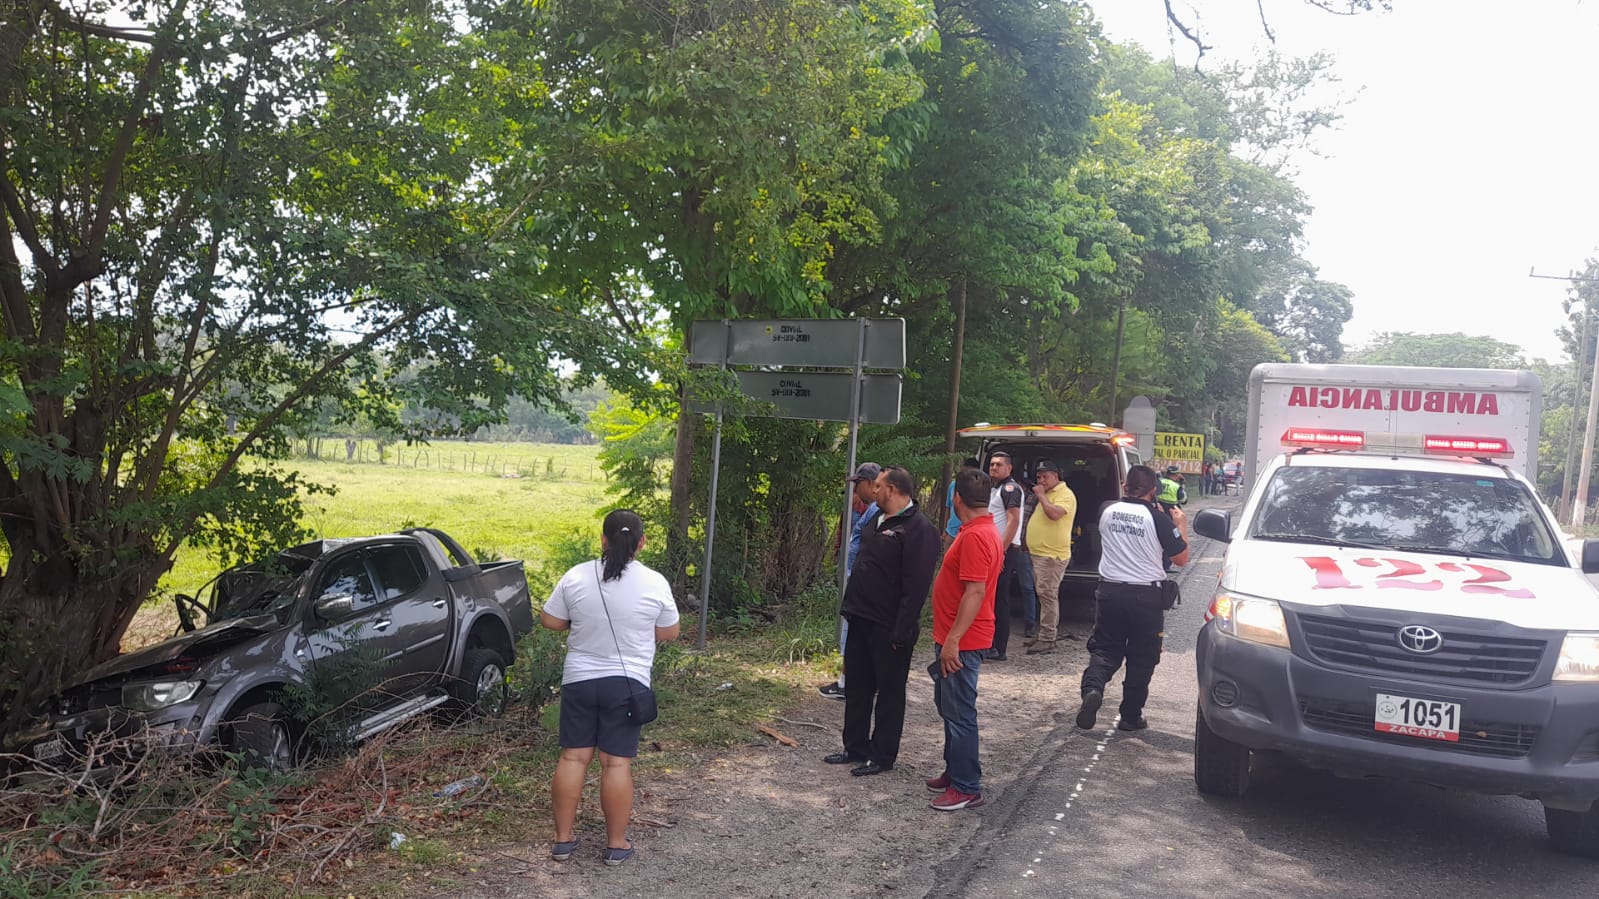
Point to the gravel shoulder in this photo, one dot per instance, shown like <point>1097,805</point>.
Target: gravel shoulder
<point>771,820</point>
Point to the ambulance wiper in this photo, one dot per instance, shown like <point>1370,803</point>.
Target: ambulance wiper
<point>1441,550</point>
<point>1317,539</point>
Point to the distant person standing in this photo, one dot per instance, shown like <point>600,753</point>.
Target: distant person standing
<point>1136,536</point>
<point>616,610</point>
<point>1170,495</point>
<point>953,526</point>
<point>864,485</point>
<point>963,626</point>
<point>1007,504</point>
<point>883,604</point>
<point>1049,541</point>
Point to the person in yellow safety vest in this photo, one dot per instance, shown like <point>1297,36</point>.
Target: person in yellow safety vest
<point>1171,491</point>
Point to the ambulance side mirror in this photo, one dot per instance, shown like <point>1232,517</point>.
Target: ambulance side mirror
<point>1217,524</point>
<point>1590,557</point>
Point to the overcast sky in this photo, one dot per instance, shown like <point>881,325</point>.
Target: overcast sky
<point>1466,160</point>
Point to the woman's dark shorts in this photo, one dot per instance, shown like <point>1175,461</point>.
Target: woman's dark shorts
<point>594,713</point>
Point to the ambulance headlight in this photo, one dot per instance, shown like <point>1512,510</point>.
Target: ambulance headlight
<point>1579,659</point>
<point>1250,618</point>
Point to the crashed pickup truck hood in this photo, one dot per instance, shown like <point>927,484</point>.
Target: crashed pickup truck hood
<point>1537,597</point>
<point>198,643</point>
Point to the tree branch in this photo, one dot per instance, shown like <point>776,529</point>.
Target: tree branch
<point>629,323</point>
<point>26,229</point>
<point>13,293</point>
<point>95,29</point>
<point>1260,5</point>
<point>1182,27</point>
<point>308,25</point>
<point>270,420</point>
<point>124,145</point>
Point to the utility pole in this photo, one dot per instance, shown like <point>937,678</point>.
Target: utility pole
<point>1577,360</point>
<point>957,350</point>
<point>1116,361</point>
<point>1579,503</point>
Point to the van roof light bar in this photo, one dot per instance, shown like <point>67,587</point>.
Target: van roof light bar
<point>1324,438</point>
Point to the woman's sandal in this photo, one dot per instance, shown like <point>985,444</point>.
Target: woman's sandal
<point>563,851</point>
<point>614,856</point>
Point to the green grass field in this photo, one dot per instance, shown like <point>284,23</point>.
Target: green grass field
<point>507,499</point>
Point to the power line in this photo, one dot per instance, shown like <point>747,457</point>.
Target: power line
<point>1533,273</point>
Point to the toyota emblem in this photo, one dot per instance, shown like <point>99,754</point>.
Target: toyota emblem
<point>1421,639</point>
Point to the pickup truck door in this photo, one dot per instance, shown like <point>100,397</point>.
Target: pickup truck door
<point>419,604</point>
<point>359,649</point>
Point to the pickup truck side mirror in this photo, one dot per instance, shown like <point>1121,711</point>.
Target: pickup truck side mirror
<point>1217,524</point>
<point>1590,557</point>
<point>334,606</point>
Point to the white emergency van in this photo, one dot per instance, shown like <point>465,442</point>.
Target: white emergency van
<point>1392,402</point>
<point>1396,601</point>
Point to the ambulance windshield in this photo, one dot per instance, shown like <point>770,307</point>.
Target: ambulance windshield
<point>1416,511</point>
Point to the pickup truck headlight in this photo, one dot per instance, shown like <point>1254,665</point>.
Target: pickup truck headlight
<point>1579,659</point>
<point>1250,618</point>
<point>155,696</point>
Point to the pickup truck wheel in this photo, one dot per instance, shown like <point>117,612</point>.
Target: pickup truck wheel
<point>1575,833</point>
<point>261,737</point>
<point>1221,767</point>
<point>482,689</point>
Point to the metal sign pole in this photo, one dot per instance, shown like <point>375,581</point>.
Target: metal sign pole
<point>710,530</point>
<point>710,508</point>
<point>849,494</point>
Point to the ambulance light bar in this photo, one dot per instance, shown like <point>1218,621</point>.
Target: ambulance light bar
<point>1496,447</point>
<point>1398,444</point>
<point>1322,438</point>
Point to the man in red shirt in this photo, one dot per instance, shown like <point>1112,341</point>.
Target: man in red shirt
<point>963,629</point>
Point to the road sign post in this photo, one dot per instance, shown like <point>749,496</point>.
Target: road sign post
<point>775,362</point>
<point>849,494</point>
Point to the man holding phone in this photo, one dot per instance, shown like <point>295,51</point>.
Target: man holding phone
<point>963,630</point>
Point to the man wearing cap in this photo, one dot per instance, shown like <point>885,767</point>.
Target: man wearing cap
<point>1171,489</point>
<point>1049,540</point>
<point>883,604</point>
<point>864,483</point>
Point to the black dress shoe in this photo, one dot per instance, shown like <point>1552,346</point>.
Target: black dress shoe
<point>1132,724</point>
<point>843,758</point>
<point>869,769</point>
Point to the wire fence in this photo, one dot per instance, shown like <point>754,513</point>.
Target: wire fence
<point>532,461</point>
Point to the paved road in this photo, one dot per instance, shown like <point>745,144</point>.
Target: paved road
<point>1110,814</point>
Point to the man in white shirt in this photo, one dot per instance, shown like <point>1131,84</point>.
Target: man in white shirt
<point>1136,537</point>
<point>1007,502</point>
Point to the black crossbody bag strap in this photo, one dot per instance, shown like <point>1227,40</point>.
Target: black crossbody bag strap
<point>641,712</point>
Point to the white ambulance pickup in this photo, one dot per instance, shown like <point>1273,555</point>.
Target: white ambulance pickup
<point>1400,604</point>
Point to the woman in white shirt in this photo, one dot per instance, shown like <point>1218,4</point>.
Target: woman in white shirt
<point>616,609</point>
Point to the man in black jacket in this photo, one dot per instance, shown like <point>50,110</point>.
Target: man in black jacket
<point>883,602</point>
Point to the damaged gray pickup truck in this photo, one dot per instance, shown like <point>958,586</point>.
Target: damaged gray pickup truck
<point>434,628</point>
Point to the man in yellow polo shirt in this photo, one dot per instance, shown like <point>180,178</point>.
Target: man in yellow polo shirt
<point>1049,542</point>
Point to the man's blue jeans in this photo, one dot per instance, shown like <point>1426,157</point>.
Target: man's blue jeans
<point>1028,590</point>
<point>956,698</point>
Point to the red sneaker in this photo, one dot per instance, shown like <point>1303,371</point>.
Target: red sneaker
<point>938,784</point>
<point>954,799</point>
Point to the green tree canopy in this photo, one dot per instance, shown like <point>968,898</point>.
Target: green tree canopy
<point>1452,350</point>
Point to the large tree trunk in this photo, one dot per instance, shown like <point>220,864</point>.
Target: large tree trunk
<point>52,629</point>
<point>678,545</point>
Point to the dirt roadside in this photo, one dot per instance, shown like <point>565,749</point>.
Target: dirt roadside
<point>770,820</point>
